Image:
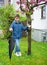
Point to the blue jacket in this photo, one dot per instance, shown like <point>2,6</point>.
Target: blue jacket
<point>17,29</point>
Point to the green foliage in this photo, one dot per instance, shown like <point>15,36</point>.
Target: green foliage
<point>37,57</point>
<point>7,14</point>
<point>29,12</point>
<point>23,19</point>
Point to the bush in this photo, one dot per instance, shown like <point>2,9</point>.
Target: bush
<point>22,19</point>
<point>6,17</point>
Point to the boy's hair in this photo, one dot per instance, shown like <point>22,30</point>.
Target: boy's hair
<point>17,15</point>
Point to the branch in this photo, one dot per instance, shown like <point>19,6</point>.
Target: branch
<point>37,1</point>
<point>37,5</point>
<point>27,4</point>
<point>21,7</point>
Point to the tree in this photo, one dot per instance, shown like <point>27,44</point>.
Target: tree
<point>27,7</point>
<point>7,14</point>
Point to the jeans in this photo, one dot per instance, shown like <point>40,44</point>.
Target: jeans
<point>17,46</point>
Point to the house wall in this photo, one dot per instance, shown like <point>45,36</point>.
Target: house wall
<point>39,25</point>
<point>38,35</point>
<point>46,36</point>
<point>4,3</point>
<point>1,3</point>
<point>37,22</point>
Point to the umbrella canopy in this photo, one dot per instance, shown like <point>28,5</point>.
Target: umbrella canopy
<point>11,42</point>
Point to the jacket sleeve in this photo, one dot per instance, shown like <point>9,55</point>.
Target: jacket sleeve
<point>24,27</point>
<point>12,25</point>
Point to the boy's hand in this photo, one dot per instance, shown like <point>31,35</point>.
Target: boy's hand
<point>28,25</point>
<point>11,29</point>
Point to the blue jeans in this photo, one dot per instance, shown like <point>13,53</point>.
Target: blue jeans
<point>17,48</point>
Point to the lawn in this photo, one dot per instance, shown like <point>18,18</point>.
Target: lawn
<point>38,56</point>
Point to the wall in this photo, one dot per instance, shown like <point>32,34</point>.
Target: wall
<point>38,35</point>
<point>5,2</point>
<point>37,22</point>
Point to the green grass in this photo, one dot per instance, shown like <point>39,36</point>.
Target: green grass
<point>38,56</point>
<point>0,27</point>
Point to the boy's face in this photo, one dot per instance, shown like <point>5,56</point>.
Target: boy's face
<point>17,19</point>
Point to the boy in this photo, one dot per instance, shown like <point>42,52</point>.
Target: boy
<point>16,29</point>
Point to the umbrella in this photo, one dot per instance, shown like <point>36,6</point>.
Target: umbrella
<point>11,42</point>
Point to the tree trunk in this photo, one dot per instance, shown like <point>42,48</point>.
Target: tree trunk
<point>29,34</point>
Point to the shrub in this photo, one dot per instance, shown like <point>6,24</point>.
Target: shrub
<point>7,14</point>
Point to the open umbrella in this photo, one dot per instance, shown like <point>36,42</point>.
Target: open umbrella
<point>11,42</point>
